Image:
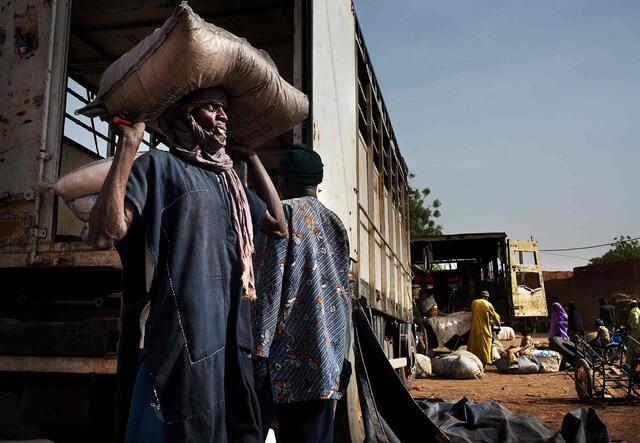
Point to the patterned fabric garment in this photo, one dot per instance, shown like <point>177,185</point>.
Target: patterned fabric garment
<point>302,313</point>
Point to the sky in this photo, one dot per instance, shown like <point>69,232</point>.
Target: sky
<point>521,116</point>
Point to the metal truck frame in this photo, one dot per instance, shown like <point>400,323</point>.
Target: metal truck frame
<point>509,269</point>
<point>53,65</point>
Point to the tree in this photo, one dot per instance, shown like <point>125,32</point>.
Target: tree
<point>423,214</point>
<point>624,248</point>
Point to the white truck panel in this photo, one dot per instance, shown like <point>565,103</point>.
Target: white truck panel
<point>334,109</point>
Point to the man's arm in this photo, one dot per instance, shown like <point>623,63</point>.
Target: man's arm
<point>111,217</point>
<point>494,317</point>
<point>274,223</point>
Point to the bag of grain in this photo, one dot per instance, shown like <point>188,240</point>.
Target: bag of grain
<point>84,181</point>
<point>81,207</point>
<point>187,54</point>
<point>460,365</point>
<point>549,360</point>
<point>506,333</point>
<point>423,366</point>
<point>524,365</point>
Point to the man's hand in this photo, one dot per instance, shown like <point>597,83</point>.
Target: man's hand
<point>131,136</point>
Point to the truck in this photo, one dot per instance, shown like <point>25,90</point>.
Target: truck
<point>60,299</point>
<point>454,268</point>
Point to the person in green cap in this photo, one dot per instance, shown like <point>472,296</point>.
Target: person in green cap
<point>302,311</point>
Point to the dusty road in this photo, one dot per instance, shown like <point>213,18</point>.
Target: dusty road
<point>548,396</point>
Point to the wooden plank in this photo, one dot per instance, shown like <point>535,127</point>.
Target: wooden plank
<point>59,365</point>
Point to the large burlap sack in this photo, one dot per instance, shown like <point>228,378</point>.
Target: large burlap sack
<point>461,365</point>
<point>506,333</point>
<point>187,54</point>
<point>445,327</point>
<point>423,366</point>
<point>549,360</point>
<point>84,181</point>
<point>81,207</point>
<point>525,365</point>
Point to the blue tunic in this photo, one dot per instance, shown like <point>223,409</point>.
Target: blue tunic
<point>302,312</point>
<point>197,339</point>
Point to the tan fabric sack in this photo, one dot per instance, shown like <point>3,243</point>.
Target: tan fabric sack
<point>84,181</point>
<point>81,207</point>
<point>187,54</point>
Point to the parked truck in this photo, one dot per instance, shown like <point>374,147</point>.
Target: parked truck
<point>454,268</point>
<point>60,300</point>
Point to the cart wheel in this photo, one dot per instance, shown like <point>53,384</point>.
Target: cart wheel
<point>635,369</point>
<point>583,378</point>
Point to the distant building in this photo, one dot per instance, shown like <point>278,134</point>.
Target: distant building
<point>586,284</point>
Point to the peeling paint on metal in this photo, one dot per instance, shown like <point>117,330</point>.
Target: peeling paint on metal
<point>38,100</point>
<point>25,33</point>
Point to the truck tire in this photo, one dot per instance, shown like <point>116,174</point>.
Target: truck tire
<point>408,349</point>
<point>583,379</point>
<point>408,377</point>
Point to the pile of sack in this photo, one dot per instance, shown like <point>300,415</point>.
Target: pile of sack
<point>543,361</point>
<point>184,55</point>
<point>506,333</point>
<point>461,365</point>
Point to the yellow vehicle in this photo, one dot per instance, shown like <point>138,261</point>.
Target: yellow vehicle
<point>454,268</point>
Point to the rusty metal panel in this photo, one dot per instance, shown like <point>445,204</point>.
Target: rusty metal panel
<point>23,33</point>
<point>33,52</point>
<point>527,283</point>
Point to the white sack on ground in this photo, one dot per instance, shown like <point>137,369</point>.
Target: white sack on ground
<point>423,366</point>
<point>506,333</point>
<point>549,360</point>
<point>187,54</point>
<point>85,180</point>
<point>525,365</point>
<point>461,365</point>
<point>447,326</point>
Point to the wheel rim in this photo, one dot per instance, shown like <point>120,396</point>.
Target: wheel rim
<point>582,383</point>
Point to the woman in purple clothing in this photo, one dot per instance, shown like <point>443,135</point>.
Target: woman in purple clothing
<point>559,322</point>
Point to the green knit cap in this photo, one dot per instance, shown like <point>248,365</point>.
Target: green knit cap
<point>303,164</point>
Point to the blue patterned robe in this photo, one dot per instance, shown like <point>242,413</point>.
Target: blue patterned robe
<point>301,317</point>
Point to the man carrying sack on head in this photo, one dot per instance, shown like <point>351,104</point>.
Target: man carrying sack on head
<point>184,225</point>
<point>302,313</point>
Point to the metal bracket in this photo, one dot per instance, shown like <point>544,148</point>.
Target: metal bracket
<point>29,194</point>
<point>44,155</point>
<point>39,232</point>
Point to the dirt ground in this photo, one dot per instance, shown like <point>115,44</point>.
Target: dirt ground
<point>547,396</point>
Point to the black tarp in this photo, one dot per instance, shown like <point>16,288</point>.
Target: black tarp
<point>465,421</point>
<point>470,422</point>
<point>584,425</point>
<point>391,415</point>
